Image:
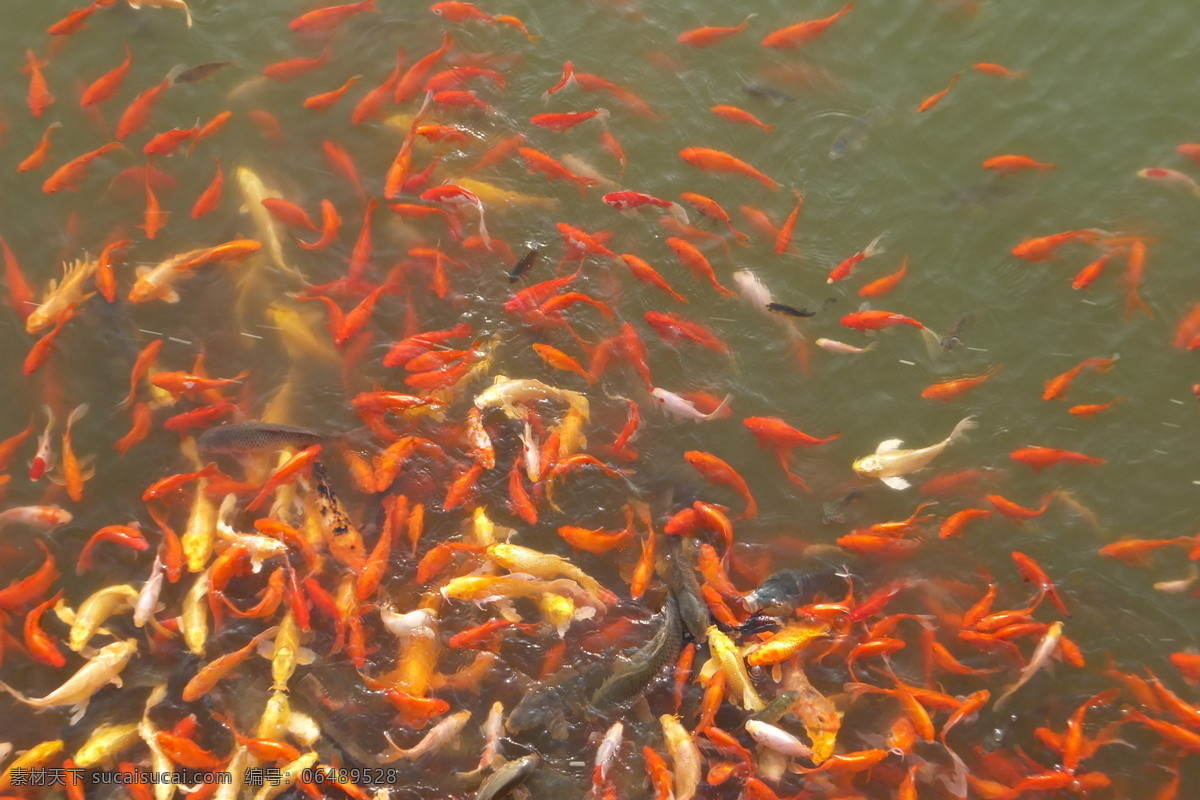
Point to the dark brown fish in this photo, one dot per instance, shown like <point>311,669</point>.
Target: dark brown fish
<point>244,438</point>
<point>790,311</point>
<point>202,71</point>
<point>524,265</point>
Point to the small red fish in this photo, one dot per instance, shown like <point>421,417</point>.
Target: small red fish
<point>1040,458</point>
<point>934,99</point>
<point>325,19</point>
<point>39,97</point>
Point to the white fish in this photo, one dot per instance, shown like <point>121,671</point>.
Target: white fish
<point>679,407</point>
<point>834,346</point>
<point>417,622</point>
<point>889,462</point>
<point>102,669</point>
<point>147,601</point>
<point>437,738</point>
<point>777,739</point>
<point>753,290</point>
<point>606,753</point>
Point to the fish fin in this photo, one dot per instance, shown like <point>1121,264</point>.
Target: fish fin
<point>304,656</point>
<point>80,709</point>
<point>4,686</point>
<point>896,483</point>
<point>142,270</point>
<point>960,430</point>
<point>116,681</point>
<point>888,445</point>
<point>266,648</point>
<point>171,296</point>
<point>65,613</point>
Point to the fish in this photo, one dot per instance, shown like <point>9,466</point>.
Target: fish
<point>77,691</point>
<point>953,337</point>
<point>61,295</point>
<point>789,311</point>
<point>677,406</point>
<point>512,394</point>
<point>888,463</point>
<point>719,161</point>
<point>835,511</point>
<point>253,437</point>
<point>631,674</point>
<point>507,777</point>
<point>801,33</point>
<point>135,4</point>
<point>526,263</point>
<point>788,589</point>
<point>202,72</point>
<point>710,35</point>
<point>1046,648</point>
<point>254,191</point>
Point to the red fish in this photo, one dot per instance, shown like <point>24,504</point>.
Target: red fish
<point>673,328</point>
<point>842,270</point>
<point>553,169</point>
<point>741,116</point>
<point>210,198</point>
<point>1008,164</point>
<point>648,275</point>
<point>1056,387</point>
<point>716,471</point>
<point>167,142</point>
<point>948,390</point>
<point>710,35</point>
<point>320,102</point>
<point>565,121</point>
<point>996,70</point>
<point>691,257</point>
<point>138,111</point>
<point>70,174</point>
<point>1045,248</point>
<point>294,67</point>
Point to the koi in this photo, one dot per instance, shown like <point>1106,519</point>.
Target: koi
<point>1046,648</point>
<point>834,346</point>
<point>889,462</point>
<point>1165,176</point>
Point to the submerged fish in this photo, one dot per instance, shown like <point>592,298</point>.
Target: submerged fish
<point>243,438</point>
<point>789,589</point>
<point>507,777</point>
<point>630,678</point>
<point>889,462</point>
<point>524,265</point>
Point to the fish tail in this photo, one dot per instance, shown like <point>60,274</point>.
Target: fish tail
<point>933,342</point>
<point>964,425</point>
<point>5,687</point>
<point>874,248</point>
<point>724,404</point>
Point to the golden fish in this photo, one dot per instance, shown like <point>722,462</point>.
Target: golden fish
<point>62,294</point>
<point>889,462</point>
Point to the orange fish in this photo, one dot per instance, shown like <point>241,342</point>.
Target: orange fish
<point>167,142</point>
<point>560,360</point>
<point>720,161</point>
<point>155,217</point>
<point>712,209</point>
<point>1008,164</point>
<point>648,275</point>
<point>37,159</point>
<point>410,82</point>
<point>104,87</point>
<point>1040,458</point>
<point>842,270</point>
<point>1014,511</point>
<point>952,526</point>
<point>1045,248</point>
<point>106,280</point>
<point>672,328</point>
<point>1089,409</point>
<point>138,111</point>
<point>708,36</point>
<point>1088,274</point>
<point>741,116</point>
<point>948,390</point>
<point>210,198</point>
<point>294,67</point>
<point>320,102</point>
<point>75,20</point>
<point>1056,387</point>
<point>691,257</point>
<point>39,94</point>
<point>875,320</point>
<point>716,471</point>
<point>802,33</point>
<point>565,121</point>
<point>1135,265</point>
<point>783,238</point>
<point>882,286</point>
<point>70,174</point>
<point>996,70</point>
<point>553,169</point>
<point>934,99</point>
<point>286,474</point>
<point>325,19</point>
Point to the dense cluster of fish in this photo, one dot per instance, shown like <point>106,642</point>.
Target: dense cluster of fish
<point>466,583</point>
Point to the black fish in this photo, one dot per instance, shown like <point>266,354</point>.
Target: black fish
<point>790,311</point>
<point>834,511</point>
<point>629,680</point>
<point>524,265</point>
<point>201,71</point>
<point>953,336</point>
<point>790,588</point>
<point>766,93</point>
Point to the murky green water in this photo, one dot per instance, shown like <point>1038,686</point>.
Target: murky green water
<point>1107,93</point>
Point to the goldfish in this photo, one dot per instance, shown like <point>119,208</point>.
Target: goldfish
<point>948,390</point>
<point>1008,164</point>
<point>37,158</point>
<point>997,70</point>
<point>39,97</point>
<point>934,99</point>
<point>138,111</point>
<point>104,87</point>
<point>720,161</point>
<point>69,175</point>
<point>1044,248</point>
<point>62,295</point>
<point>680,407</point>
<point>874,320</point>
<point>326,19</point>
<point>884,285</point>
<point>716,471</point>
<point>1047,647</point>
<point>553,169</point>
<point>164,4</point>
<point>690,257</point>
<point>320,102</point>
<point>741,116</point>
<point>801,33</point>
<point>889,462</point>
<point>1056,387</point>
<point>842,270</point>
<point>710,35</point>
<point>1040,458</point>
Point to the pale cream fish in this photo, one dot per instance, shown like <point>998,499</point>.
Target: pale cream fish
<point>438,737</point>
<point>889,462</point>
<point>679,407</point>
<point>163,4</point>
<point>62,294</point>
<point>193,616</point>
<point>1047,647</point>
<point>516,558</point>
<point>777,739</point>
<point>290,774</point>
<point>77,691</point>
<point>727,658</point>
<point>254,191</point>
<point>685,756</point>
<point>147,599</point>
<point>511,394</point>
<point>492,195</point>
<point>93,612</point>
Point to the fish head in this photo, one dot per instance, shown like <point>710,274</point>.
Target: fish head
<point>869,466</point>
